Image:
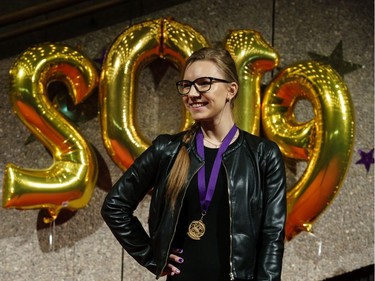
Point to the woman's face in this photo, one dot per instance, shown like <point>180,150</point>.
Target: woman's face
<point>213,105</point>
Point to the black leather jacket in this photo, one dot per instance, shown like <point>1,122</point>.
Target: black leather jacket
<point>256,186</point>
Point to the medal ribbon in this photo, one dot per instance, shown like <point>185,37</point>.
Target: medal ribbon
<point>206,194</point>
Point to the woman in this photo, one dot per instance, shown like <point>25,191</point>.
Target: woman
<point>218,204</point>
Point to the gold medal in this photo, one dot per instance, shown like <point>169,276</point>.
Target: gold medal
<point>197,228</point>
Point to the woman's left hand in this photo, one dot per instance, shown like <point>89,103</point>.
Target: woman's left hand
<point>173,258</point>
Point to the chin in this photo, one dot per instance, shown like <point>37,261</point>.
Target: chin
<point>200,118</point>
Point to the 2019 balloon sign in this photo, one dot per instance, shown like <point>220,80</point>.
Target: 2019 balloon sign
<point>324,142</point>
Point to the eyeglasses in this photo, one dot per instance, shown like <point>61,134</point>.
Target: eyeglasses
<point>201,84</point>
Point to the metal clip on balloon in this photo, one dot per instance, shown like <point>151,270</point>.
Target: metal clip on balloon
<point>70,180</point>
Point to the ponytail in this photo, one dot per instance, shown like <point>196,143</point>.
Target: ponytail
<point>180,168</point>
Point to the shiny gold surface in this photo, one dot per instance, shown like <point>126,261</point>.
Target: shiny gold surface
<point>325,142</point>
<point>133,49</point>
<point>70,180</point>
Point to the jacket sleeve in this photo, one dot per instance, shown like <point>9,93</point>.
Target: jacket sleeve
<point>123,199</point>
<point>271,248</point>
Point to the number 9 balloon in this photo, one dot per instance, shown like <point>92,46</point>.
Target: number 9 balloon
<point>325,141</point>
<point>70,180</point>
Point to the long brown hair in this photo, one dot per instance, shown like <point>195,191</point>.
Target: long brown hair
<point>178,175</point>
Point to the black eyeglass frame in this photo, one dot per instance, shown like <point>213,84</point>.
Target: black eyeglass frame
<point>193,83</point>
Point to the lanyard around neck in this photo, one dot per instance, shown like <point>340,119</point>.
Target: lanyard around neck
<point>206,194</point>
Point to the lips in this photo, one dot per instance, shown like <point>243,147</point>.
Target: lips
<point>198,104</point>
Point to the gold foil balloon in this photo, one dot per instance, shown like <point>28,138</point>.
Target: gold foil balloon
<point>137,46</point>
<point>253,57</point>
<point>70,180</point>
<point>325,141</point>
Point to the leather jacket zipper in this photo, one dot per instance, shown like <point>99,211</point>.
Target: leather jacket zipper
<point>231,275</point>
<point>178,216</point>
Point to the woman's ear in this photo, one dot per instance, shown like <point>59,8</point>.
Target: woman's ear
<point>233,89</point>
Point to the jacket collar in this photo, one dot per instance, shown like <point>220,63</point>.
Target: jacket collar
<point>237,143</point>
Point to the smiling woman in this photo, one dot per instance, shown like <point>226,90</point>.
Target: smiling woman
<point>215,189</point>
<point>208,94</point>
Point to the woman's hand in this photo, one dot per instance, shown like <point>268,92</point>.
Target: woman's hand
<point>173,259</point>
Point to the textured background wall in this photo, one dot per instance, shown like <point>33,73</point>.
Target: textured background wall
<point>83,247</point>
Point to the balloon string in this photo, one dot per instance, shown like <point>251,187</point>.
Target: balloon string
<point>51,236</point>
<point>273,22</point>
<point>122,263</point>
<point>319,242</point>
<point>273,28</point>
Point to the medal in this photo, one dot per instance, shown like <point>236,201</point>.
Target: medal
<point>197,228</point>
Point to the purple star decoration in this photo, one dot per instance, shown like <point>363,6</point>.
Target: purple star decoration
<point>367,158</point>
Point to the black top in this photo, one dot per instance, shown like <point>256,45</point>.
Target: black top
<point>206,259</point>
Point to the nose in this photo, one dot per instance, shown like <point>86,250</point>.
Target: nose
<point>193,91</point>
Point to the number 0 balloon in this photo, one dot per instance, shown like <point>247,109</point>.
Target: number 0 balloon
<point>132,50</point>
